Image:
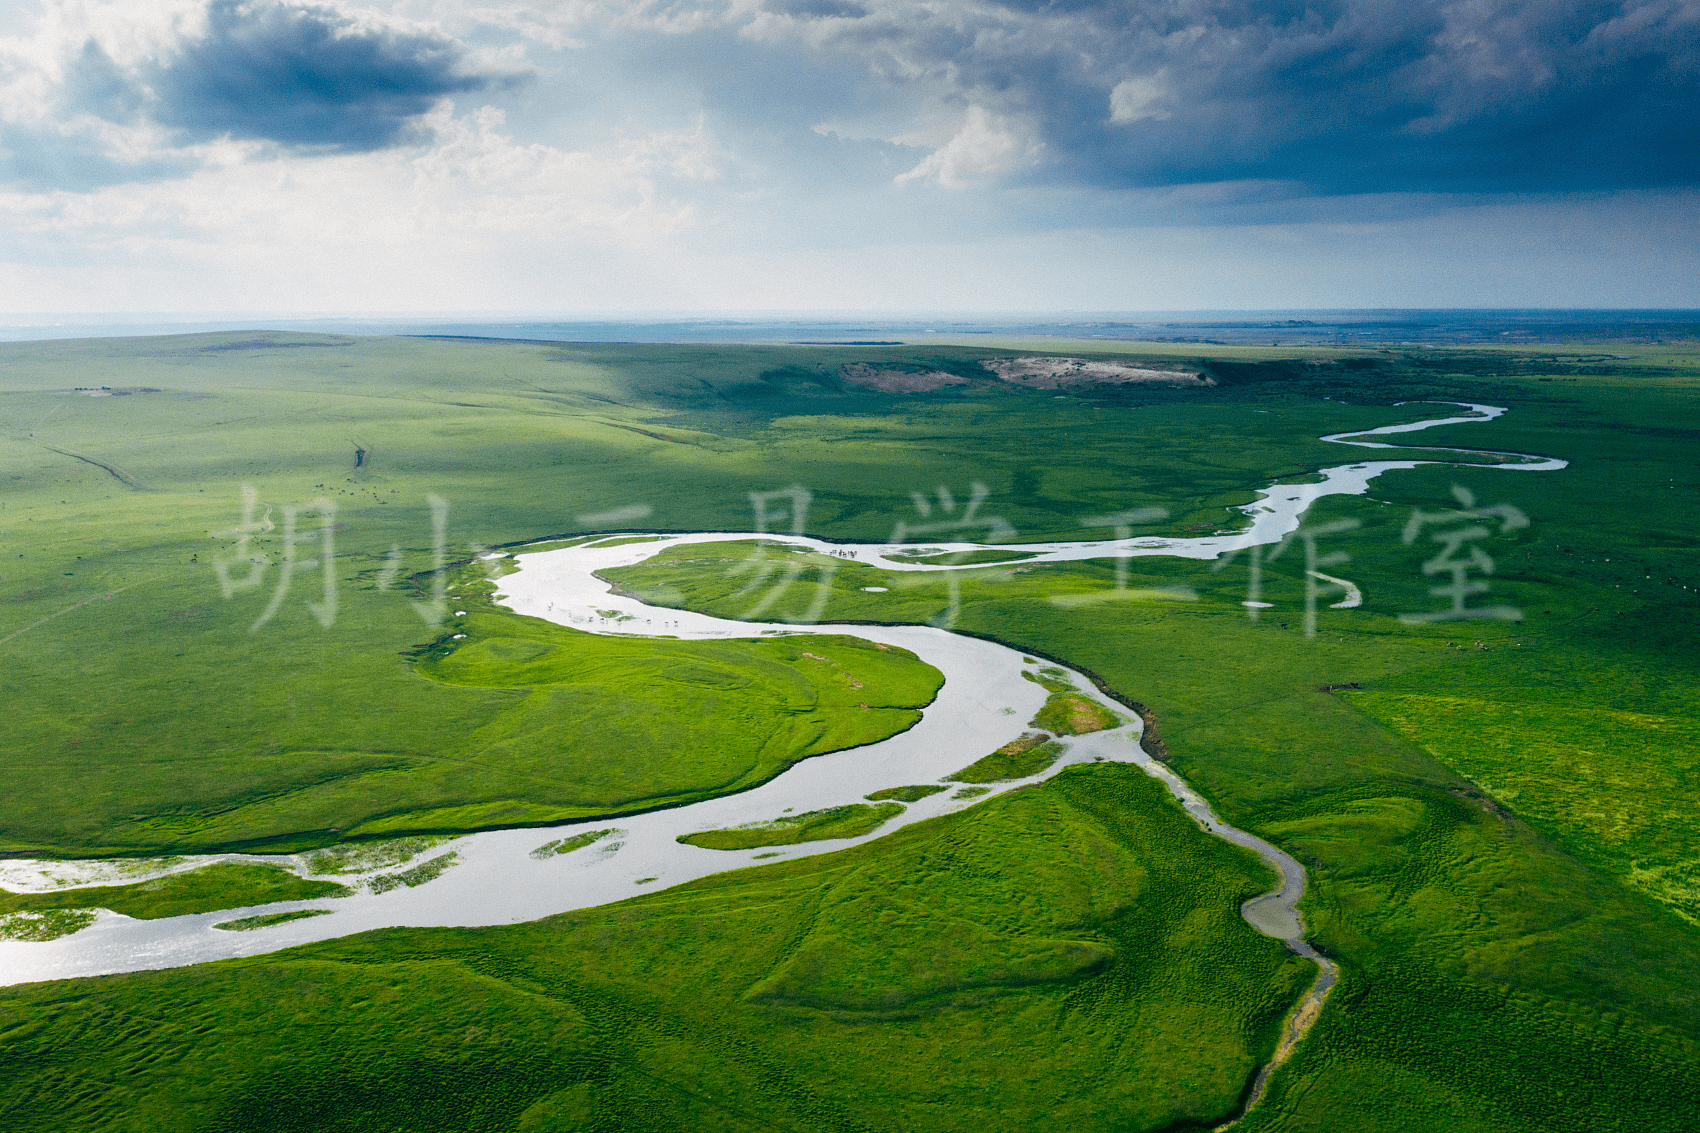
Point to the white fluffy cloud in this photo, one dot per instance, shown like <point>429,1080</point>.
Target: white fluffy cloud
<point>1137,98</point>
<point>985,147</point>
<point>416,224</point>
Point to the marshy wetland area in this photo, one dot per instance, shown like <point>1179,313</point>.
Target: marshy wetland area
<point>473,735</point>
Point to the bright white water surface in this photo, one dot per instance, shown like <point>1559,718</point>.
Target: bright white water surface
<point>985,702</point>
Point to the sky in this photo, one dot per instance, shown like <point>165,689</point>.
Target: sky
<point>592,156</point>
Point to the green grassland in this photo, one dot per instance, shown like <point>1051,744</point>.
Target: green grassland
<point>1498,817</point>
<point>1474,879</point>
<point>548,725</point>
<point>1068,954</point>
<point>123,650</point>
<point>1616,788</point>
<point>619,724</point>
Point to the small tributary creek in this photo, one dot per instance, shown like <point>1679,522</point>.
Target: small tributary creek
<point>499,878</point>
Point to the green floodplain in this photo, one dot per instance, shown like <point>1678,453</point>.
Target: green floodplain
<point>1500,817</point>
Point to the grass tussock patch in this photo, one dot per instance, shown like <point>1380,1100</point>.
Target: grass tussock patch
<point>1017,759</point>
<point>623,540</point>
<point>1050,678</point>
<point>568,845</point>
<point>906,794</point>
<point>850,821</point>
<point>50,924</point>
<point>364,857</point>
<point>420,874</point>
<point>267,920</point>
<point>961,558</point>
<point>1072,714</point>
<point>222,885</point>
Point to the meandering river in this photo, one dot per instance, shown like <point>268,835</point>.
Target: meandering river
<point>984,703</point>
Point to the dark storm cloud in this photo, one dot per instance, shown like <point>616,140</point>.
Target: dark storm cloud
<point>841,9</point>
<point>306,77</point>
<point>1376,96</point>
<point>1341,95</point>
<point>309,78</point>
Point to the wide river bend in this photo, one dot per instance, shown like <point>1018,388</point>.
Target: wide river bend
<point>984,703</point>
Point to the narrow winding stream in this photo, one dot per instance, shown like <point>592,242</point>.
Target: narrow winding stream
<point>984,703</point>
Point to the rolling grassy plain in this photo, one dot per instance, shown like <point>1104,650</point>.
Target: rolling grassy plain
<point>1475,878</point>
<point>139,730</point>
<point>1070,953</point>
<point>154,709</point>
<point>1499,817</point>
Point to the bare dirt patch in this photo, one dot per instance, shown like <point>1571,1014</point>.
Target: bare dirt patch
<point>900,381</point>
<point>1064,373</point>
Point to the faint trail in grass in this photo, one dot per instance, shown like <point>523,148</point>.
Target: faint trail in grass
<point>93,597</point>
<point>128,479</point>
<point>645,432</point>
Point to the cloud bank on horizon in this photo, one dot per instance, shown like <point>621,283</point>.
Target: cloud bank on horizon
<point>720,136</point>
